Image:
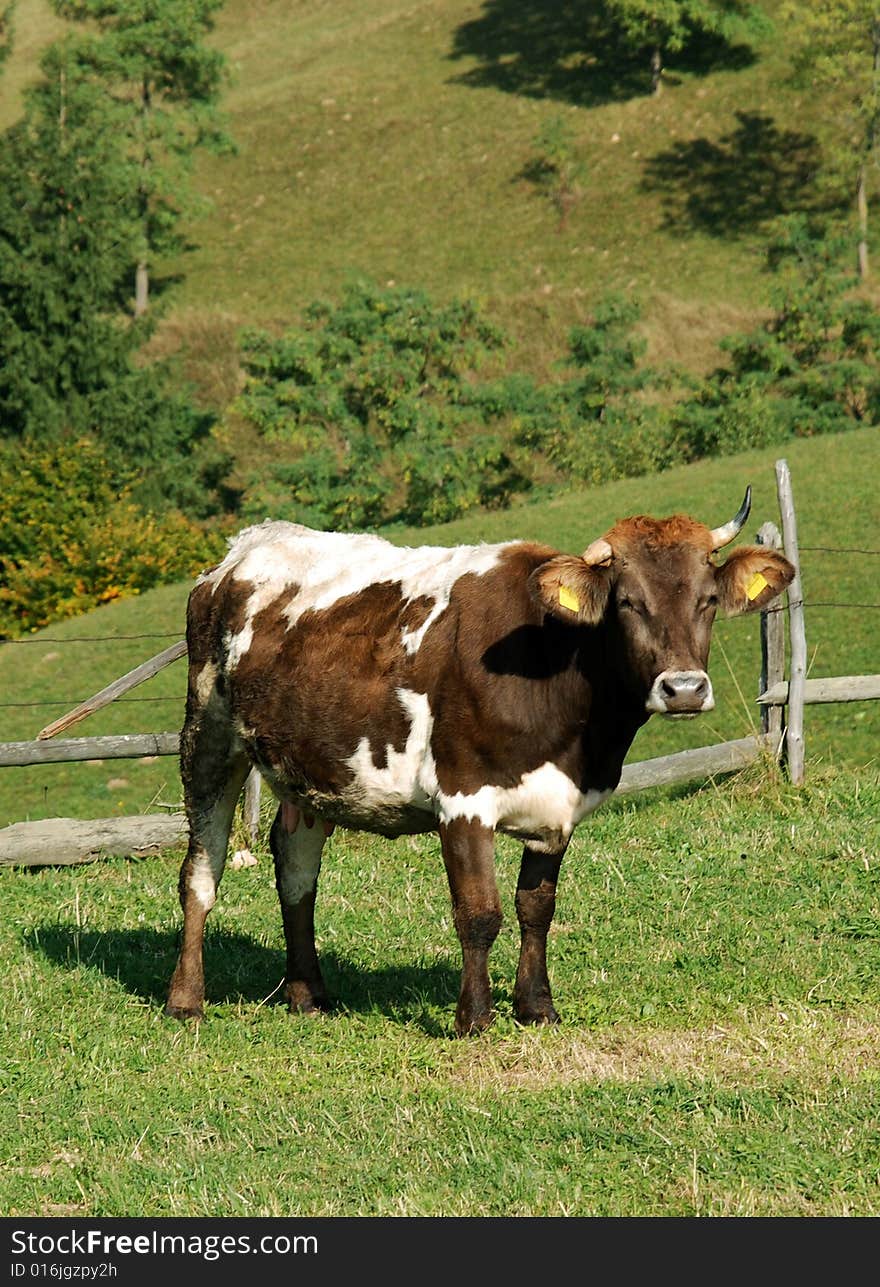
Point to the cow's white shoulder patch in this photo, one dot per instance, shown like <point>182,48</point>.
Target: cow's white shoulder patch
<point>545,803</point>
<point>327,566</point>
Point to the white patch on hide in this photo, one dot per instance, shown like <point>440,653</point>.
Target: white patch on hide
<point>211,838</point>
<point>544,801</point>
<point>408,777</point>
<point>205,681</point>
<point>328,566</point>
<point>299,862</point>
<point>203,882</point>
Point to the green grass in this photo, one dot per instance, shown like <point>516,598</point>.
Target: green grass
<point>714,958</point>
<point>391,140</point>
<point>714,955</point>
<point>833,483</point>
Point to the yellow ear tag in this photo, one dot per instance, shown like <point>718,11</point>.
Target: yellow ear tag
<point>568,600</point>
<point>758,583</point>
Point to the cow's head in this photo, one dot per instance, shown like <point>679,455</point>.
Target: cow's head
<point>656,587</point>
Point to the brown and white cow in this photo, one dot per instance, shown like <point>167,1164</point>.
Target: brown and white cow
<point>463,690</point>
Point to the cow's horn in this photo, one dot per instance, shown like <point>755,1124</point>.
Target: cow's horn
<point>724,535</point>
<point>599,552</point>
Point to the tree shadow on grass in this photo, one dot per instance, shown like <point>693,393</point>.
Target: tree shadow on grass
<point>737,184</point>
<point>572,51</point>
<point>239,969</point>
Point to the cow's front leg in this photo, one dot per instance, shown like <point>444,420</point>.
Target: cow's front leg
<point>469,855</point>
<point>535,905</point>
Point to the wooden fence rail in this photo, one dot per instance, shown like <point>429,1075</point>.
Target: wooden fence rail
<point>68,840</point>
<point>123,746</point>
<point>26,843</point>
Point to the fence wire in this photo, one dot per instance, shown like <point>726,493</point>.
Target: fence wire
<point>105,639</point>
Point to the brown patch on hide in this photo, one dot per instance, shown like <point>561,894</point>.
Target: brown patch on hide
<point>505,687</point>
<point>313,690</point>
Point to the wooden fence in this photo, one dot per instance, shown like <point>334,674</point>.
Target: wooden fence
<point>67,840</point>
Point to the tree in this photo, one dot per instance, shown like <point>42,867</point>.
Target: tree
<point>68,236</point>
<point>150,58</point>
<point>841,49</point>
<point>65,245</point>
<point>6,32</point>
<point>666,26</point>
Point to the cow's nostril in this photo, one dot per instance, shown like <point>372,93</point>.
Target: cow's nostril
<point>681,692</point>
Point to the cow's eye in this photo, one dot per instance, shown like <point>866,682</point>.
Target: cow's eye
<point>630,605</point>
<point>708,604</point>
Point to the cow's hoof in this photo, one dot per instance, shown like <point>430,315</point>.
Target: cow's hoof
<point>472,1027</point>
<point>537,1016</point>
<point>309,1007</point>
<point>301,1000</point>
<point>185,1012</point>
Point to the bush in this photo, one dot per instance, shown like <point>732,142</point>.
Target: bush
<point>373,414</point>
<point>71,539</point>
<point>812,368</point>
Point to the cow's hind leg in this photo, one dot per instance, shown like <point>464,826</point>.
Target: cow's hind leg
<point>469,855</point>
<point>296,841</point>
<point>213,768</point>
<point>535,905</point>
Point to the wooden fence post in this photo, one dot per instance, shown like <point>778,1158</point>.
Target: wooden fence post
<point>772,651</point>
<point>794,739</point>
<point>252,805</point>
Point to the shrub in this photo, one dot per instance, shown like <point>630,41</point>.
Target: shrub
<point>72,539</point>
<point>373,415</point>
<point>812,368</point>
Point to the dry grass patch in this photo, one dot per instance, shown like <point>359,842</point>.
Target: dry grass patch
<point>687,332</point>
<point>205,347</point>
<point>775,1045</point>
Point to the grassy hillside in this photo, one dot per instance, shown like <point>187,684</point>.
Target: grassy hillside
<point>394,140</point>
<point>713,959</point>
<point>835,494</point>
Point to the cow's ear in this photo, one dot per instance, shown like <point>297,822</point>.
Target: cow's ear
<point>572,590</point>
<point>751,578</point>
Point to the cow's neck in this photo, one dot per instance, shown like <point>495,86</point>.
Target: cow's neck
<point>615,714</point>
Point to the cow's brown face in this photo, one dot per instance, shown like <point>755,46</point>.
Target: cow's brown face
<point>655,587</point>
<point>660,613</point>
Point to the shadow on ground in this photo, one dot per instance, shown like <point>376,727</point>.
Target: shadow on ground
<point>238,969</point>
<point>737,184</point>
<point>571,51</point>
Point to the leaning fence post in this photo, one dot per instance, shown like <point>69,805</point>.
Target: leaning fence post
<point>794,738</point>
<point>772,651</point>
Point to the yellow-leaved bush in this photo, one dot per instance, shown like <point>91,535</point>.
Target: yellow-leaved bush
<point>71,538</point>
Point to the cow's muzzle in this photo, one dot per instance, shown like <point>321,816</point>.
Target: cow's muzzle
<point>680,692</point>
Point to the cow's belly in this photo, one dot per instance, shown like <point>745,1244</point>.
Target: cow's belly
<point>401,795</point>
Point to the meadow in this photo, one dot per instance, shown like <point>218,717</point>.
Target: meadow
<point>714,956</point>
<point>714,960</point>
